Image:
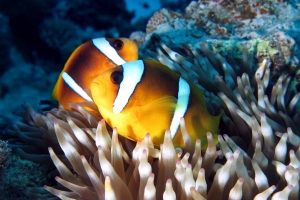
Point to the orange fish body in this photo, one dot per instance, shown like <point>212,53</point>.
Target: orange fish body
<point>89,60</point>
<point>146,96</point>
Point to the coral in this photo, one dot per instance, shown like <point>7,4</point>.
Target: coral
<point>279,48</point>
<point>142,11</point>
<point>157,19</point>
<point>138,37</point>
<point>20,175</point>
<point>5,152</point>
<point>226,19</point>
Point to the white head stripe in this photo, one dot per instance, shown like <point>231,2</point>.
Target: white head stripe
<point>70,81</point>
<point>103,45</point>
<point>132,74</point>
<point>181,107</point>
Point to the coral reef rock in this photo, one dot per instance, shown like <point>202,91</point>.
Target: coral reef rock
<point>227,19</point>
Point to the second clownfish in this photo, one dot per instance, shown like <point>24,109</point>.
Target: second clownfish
<point>88,61</point>
<point>145,96</point>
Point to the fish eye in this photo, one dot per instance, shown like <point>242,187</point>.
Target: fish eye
<point>118,44</point>
<point>116,77</point>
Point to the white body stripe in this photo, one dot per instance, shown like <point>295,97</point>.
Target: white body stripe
<point>132,74</point>
<point>181,107</point>
<point>103,45</point>
<point>70,81</point>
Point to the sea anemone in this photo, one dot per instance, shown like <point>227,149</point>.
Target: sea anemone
<point>250,161</point>
<point>92,166</point>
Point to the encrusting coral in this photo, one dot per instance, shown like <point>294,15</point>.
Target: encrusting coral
<point>226,19</point>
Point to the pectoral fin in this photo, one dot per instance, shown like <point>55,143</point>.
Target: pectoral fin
<point>156,115</point>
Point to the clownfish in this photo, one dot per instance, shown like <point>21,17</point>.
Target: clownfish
<point>145,96</point>
<point>88,61</point>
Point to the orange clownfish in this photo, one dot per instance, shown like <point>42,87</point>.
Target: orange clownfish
<point>88,61</point>
<point>145,96</point>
